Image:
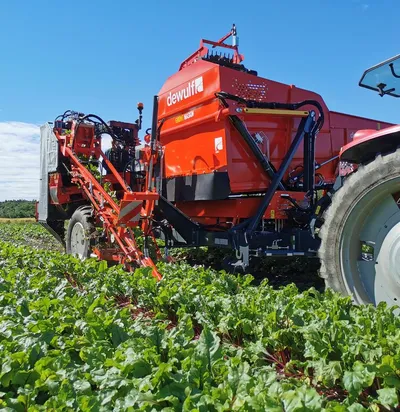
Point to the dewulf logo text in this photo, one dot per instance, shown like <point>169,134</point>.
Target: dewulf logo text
<point>192,88</point>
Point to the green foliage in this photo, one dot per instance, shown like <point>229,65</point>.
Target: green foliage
<point>12,209</point>
<point>29,234</point>
<point>81,336</point>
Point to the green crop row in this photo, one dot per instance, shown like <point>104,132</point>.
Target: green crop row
<point>30,234</point>
<point>81,336</point>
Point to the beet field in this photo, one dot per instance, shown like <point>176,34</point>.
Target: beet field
<point>81,336</point>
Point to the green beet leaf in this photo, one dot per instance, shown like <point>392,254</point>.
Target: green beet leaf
<point>301,400</point>
<point>361,377</point>
<point>388,397</point>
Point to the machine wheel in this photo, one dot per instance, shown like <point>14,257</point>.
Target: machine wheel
<point>80,228</point>
<point>360,248</point>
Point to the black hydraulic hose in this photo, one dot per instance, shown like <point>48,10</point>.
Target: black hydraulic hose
<point>88,116</point>
<point>227,96</point>
<point>64,115</point>
<point>275,105</point>
<point>317,166</point>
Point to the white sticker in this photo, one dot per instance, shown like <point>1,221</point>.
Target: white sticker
<point>219,241</point>
<point>218,144</point>
<point>188,115</point>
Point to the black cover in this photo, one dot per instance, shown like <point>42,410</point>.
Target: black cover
<point>210,186</point>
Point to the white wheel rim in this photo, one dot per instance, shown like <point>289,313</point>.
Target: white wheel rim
<point>370,246</point>
<point>78,241</point>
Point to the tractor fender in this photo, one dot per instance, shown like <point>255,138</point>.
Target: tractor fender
<point>367,143</point>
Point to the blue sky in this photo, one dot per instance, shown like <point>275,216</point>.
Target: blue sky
<point>105,56</point>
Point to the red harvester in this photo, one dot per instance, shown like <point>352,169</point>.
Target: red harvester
<point>233,160</point>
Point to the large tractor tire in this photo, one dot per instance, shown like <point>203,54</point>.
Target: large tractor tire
<point>360,249</point>
<point>80,229</point>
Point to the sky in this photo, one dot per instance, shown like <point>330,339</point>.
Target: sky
<point>104,57</point>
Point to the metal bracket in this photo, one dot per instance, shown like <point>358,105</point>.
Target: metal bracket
<point>244,251</point>
<point>275,245</point>
<point>243,256</point>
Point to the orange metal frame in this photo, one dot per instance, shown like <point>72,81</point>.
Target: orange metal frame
<point>106,208</point>
<point>203,50</point>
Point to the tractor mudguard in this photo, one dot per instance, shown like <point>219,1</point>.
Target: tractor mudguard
<point>367,143</point>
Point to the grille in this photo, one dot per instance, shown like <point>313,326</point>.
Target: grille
<point>251,90</point>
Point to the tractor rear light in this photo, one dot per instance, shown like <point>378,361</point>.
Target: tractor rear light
<point>345,168</point>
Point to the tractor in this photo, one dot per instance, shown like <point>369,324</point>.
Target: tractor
<point>360,236</point>
<point>235,161</point>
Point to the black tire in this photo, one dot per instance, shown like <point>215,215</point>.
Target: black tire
<point>363,221</point>
<point>79,233</point>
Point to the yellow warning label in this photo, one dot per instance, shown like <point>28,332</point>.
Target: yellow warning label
<point>272,214</point>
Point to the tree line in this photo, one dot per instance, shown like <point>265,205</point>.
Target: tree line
<point>17,209</point>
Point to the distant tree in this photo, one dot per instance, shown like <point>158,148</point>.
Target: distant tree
<point>17,209</point>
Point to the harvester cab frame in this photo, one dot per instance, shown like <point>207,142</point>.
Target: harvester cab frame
<point>232,160</point>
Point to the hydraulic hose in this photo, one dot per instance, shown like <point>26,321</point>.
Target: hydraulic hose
<point>276,105</point>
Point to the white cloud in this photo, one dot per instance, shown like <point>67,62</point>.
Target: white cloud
<point>19,160</point>
<point>362,5</point>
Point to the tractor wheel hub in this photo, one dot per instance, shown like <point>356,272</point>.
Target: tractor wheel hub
<point>78,240</point>
<point>389,255</point>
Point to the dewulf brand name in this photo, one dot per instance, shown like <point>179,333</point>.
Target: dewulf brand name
<point>194,87</point>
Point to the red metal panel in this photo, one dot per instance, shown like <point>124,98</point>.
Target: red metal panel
<point>238,208</point>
